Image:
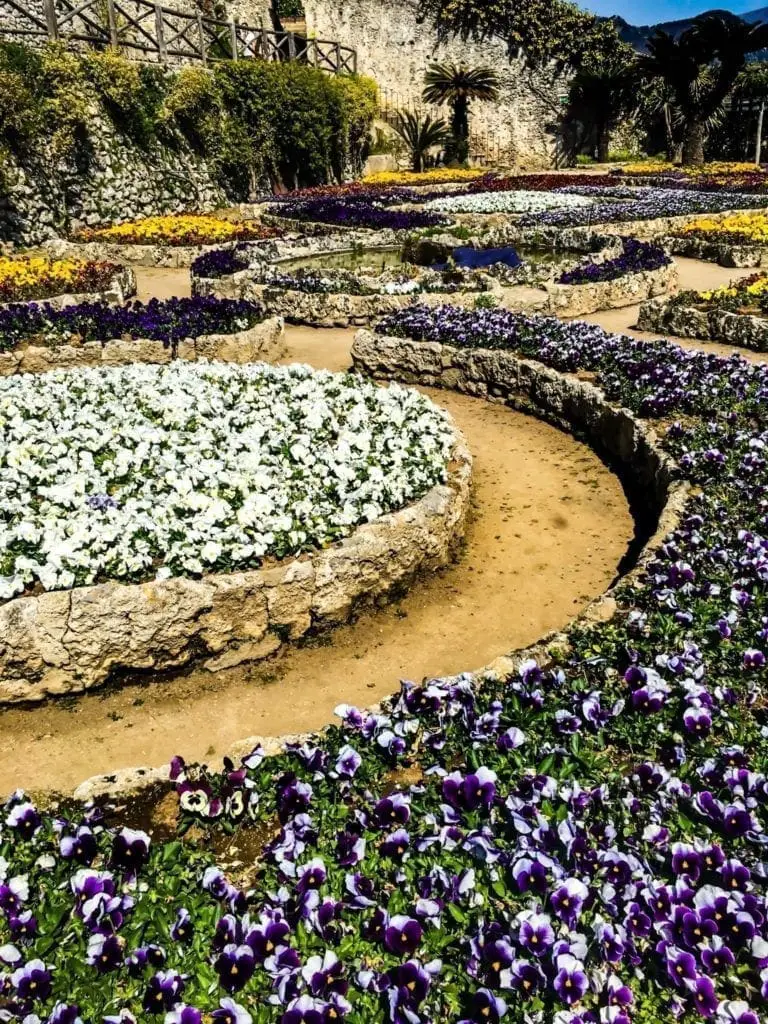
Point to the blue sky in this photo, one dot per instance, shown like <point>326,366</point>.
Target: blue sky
<point>647,12</point>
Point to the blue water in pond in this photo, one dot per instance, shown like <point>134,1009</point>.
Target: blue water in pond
<point>475,259</point>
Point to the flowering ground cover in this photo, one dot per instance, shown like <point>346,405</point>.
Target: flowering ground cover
<point>148,471</point>
<point>508,202</point>
<point>747,295</point>
<point>348,211</point>
<point>741,229</point>
<point>436,176</point>
<point>182,229</point>
<point>40,277</point>
<point>166,320</point>
<point>537,182</point>
<point>647,204</point>
<point>636,257</point>
<point>583,843</point>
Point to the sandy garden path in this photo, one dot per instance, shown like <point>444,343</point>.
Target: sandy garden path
<point>549,528</point>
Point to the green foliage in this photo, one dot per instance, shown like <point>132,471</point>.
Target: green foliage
<point>252,121</point>
<point>420,134</point>
<point>289,8</point>
<point>546,31</point>
<point>458,85</point>
<point>132,94</point>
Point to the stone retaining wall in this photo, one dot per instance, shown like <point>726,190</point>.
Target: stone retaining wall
<point>262,343</point>
<point>173,256</point>
<point>341,310</point>
<point>568,402</point>
<point>726,254</point>
<point>122,286</point>
<point>67,641</point>
<point>739,329</point>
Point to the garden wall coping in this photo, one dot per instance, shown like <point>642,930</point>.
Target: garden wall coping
<point>726,254</point>
<point>62,642</point>
<point>567,401</point>
<point>740,329</point>
<point>264,342</point>
<point>337,309</point>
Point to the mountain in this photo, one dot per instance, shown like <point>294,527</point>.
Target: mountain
<point>636,35</point>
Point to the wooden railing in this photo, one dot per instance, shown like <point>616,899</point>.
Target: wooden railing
<point>148,31</point>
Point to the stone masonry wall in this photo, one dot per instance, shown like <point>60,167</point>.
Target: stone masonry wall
<point>67,641</point>
<point>395,49</point>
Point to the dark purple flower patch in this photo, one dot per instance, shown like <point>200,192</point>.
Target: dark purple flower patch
<point>359,213</point>
<point>637,256</point>
<point>168,320</point>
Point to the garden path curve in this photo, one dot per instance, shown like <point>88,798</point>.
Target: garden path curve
<point>550,526</point>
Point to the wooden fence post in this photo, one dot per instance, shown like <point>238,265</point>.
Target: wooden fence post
<point>233,35</point>
<point>159,32</point>
<point>112,23</point>
<point>337,51</point>
<point>203,55</point>
<point>291,46</point>
<point>265,44</point>
<point>50,20</point>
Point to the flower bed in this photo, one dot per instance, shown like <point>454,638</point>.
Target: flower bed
<point>36,337</point>
<point>523,202</point>
<point>578,839</point>
<point>41,277</point>
<point>734,314</point>
<point>173,230</point>
<point>649,204</point>
<point>636,257</point>
<point>196,478</point>
<point>437,176</point>
<point>357,213</point>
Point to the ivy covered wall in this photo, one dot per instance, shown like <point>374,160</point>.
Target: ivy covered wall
<point>91,138</point>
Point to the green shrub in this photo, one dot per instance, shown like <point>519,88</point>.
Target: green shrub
<point>252,121</point>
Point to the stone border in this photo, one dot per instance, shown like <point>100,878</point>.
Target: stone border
<point>740,329</point>
<point>173,257</point>
<point>726,254</point>
<point>264,342</point>
<point>122,286</point>
<point>568,402</point>
<point>341,309</point>
<point>68,641</point>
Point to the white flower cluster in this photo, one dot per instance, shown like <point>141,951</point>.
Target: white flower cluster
<point>146,471</point>
<point>508,202</point>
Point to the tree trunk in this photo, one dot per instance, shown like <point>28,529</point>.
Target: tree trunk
<point>417,161</point>
<point>603,142</point>
<point>672,147</point>
<point>693,144</point>
<point>759,138</point>
<point>460,129</point>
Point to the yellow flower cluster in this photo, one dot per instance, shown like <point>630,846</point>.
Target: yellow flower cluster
<point>750,288</point>
<point>752,227</point>
<point>182,229</point>
<point>438,176</point>
<point>40,277</point>
<point>716,167</point>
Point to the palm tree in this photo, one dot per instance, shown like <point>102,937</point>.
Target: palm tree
<point>458,85</point>
<point>420,134</point>
<point>700,68</point>
<point>602,93</point>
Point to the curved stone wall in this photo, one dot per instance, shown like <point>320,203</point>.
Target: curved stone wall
<point>262,343</point>
<point>173,256</point>
<point>570,403</point>
<point>742,329</point>
<point>68,641</point>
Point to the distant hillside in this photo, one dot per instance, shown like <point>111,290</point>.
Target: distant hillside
<point>636,35</point>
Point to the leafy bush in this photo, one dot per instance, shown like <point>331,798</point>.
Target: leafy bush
<point>132,94</point>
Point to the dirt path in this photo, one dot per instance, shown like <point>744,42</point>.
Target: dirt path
<point>549,528</point>
<point>694,274</point>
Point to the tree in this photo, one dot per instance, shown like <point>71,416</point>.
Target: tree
<point>602,93</point>
<point>420,134</point>
<point>752,86</point>
<point>700,68</point>
<point>549,33</point>
<point>458,85</point>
